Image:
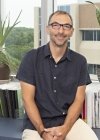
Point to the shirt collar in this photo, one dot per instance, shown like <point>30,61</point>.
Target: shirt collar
<point>47,50</point>
<point>48,53</point>
<point>67,54</point>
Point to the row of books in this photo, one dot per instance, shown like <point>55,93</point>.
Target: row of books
<point>11,104</point>
<point>91,109</point>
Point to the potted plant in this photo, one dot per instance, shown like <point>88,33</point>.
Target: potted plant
<point>98,19</point>
<point>6,61</point>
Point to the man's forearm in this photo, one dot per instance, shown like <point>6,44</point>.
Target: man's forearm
<point>34,115</point>
<point>28,96</point>
<point>75,109</point>
<point>73,114</point>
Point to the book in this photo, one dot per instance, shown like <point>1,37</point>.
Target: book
<point>4,107</point>
<point>11,104</point>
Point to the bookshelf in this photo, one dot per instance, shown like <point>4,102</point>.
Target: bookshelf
<point>11,105</point>
<point>11,111</point>
<point>92,105</point>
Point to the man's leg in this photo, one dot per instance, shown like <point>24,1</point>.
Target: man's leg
<point>30,135</point>
<point>81,131</point>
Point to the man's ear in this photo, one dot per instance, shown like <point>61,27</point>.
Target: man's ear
<point>72,31</point>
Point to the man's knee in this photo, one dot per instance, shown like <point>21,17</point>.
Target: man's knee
<point>30,135</point>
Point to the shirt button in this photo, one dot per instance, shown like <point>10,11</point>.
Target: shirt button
<point>54,77</point>
<point>54,91</point>
<point>64,113</point>
<point>55,66</point>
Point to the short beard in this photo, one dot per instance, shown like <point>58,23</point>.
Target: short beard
<point>60,46</point>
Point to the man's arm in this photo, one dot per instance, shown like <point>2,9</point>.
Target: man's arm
<point>28,94</point>
<point>75,109</point>
<point>72,115</point>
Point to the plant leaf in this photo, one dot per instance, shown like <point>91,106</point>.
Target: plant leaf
<point>98,15</point>
<point>97,11</point>
<point>7,30</point>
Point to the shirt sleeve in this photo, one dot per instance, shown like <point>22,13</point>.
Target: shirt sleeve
<point>84,78</point>
<point>26,70</point>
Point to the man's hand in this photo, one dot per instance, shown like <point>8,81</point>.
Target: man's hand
<point>58,133</point>
<point>47,136</point>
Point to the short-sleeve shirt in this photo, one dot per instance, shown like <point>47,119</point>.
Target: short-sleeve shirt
<point>56,83</point>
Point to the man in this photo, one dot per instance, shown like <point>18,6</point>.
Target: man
<point>53,81</point>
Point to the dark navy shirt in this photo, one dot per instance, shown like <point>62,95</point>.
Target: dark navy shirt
<point>56,83</point>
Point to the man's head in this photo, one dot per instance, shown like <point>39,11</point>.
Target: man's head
<point>60,13</point>
<point>60,27</point>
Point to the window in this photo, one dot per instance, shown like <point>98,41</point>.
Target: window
<point>92,68</point>
<point>91,35</point>
<point>21,39</point>
<point>64,8</point>
<point>98,35</point>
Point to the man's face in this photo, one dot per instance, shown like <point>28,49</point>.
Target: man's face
<point>60,29</point>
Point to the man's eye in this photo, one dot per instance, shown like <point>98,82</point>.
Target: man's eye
<point>67,26</point>
<point>55,25</point>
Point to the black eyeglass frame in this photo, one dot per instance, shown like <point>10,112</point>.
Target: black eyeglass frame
<point>66,26</point>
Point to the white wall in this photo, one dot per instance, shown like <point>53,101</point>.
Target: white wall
<point>36,27</point>
<point>91,50</point>
<point>76,38</point>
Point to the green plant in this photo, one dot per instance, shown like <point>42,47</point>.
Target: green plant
<point>5,29</point>
<point>97,11</point>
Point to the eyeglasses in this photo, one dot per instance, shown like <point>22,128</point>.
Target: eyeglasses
<point>57,26</point>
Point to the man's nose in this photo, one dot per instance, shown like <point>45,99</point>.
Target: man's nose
<point>61,29</point>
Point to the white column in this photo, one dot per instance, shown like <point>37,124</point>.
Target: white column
<point>36,27</point>
<point>2,9</point>
<point>76,38</point>
<point>47,7</point>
